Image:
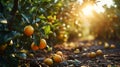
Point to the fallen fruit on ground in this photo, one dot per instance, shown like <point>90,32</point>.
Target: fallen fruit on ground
<point>92,54</point>
<point>28,30</point>
<point>99,52</point>
<point>57,58</point>
<point>43,44</point>
<point>59,53</point>
<point>77,51</point>
<point>112,46</point>
<point>106,45</point>
<point>48,61</point>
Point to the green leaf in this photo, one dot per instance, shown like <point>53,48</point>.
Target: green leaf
<point>47,29</point>
<point>42,17</point>
<point>6,36</point>
<point>26,18</point>
<point>46,0</point>
<point>36,39</point>
<point>21,55</point>
<point>32,9</point>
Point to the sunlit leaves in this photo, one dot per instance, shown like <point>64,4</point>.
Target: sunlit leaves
<point>47,30</point>
<point>46,0</point>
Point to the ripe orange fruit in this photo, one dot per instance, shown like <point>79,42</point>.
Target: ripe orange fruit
<point>59,53</point>
<point>57,58</point>
<point>43,44</point>
<point>48,61</point>
<point>34,47</point>
<point>28,30</point>
<point>112,46</point>
<point>92,54</point>
<point>99,52</point>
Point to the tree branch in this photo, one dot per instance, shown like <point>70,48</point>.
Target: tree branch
<point>1,7</point>
<point>12,13</point>
<point>15,7</point>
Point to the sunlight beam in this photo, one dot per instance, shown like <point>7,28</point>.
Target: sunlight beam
<point>87,11</point>
<point>98,6</point>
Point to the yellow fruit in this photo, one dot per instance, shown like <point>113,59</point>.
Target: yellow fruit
<point>92,54</point>
<point>24,51</point>
<point>34,47</point>
<point>99,52</point>
<point>48,61</point>
<point>112,46</point>
<point>106,45</point>
<point>28,30</point>
<point>57,58</point>
<point>59,53</point>
<point>43,44</point>
<point>77,51</point>
<point>31,55</point>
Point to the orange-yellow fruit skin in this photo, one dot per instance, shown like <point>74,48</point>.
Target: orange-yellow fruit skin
<point>48,61</point>
<point>99,52</point>
<point>59,53</point>
<point>106,45</point>
<point>43,44</point>
<point>34,47</point>
<point>57,58</point>
<point>112,46</point>
<point>92,54</point>
<point>28,30</point>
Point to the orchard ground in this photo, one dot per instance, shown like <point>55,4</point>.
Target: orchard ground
<point>76,54</point>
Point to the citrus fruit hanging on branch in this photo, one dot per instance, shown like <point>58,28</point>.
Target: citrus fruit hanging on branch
<point>34,47</point>
<point>43,44</point>
<point>28,30</point>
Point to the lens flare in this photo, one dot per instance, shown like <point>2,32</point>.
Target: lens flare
<point>87,11</point>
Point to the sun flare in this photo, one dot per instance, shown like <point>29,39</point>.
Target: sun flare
<point>87,10</point>
<point>97,7</point>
